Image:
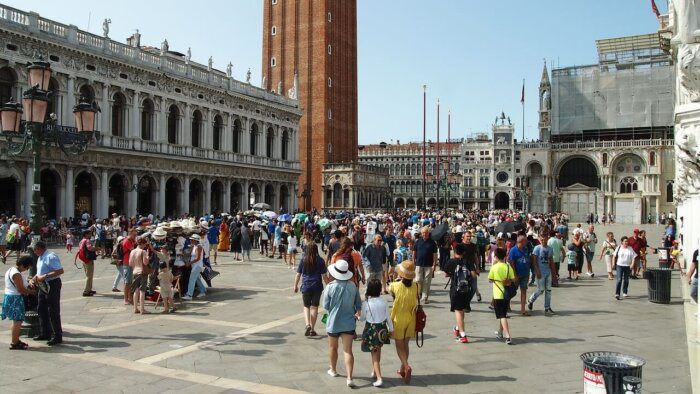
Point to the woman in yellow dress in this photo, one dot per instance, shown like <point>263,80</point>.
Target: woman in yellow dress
<point>224,235</point>
<point>403,313</point>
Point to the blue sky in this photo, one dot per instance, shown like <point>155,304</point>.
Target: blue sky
<point>473,55</point>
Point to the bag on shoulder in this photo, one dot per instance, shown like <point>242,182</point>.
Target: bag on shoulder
<point>461,280</point>
<point>10,237</point>
<point>421,320</point>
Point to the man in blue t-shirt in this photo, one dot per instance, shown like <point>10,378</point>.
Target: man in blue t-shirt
<point>519,259</point>
<point>543,263</point>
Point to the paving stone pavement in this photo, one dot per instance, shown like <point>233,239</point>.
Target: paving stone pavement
<point>247,336</point>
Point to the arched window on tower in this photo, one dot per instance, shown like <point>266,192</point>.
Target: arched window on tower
<point>605,159</point>
<point>669,191</point>
<point>652,158</point>
<point>628,184</point>
<point>173,123</point>
<point>196,128</point>
<point>118,114</point>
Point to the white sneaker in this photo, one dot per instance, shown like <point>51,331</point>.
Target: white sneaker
<point>371,375</point>
<point>186,298</point>
<point>350,383</point>
<point>378,383</point>
<point>200,295</point>
<point>332,373</point>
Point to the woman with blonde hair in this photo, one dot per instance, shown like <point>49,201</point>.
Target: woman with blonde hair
<point>403,313</point>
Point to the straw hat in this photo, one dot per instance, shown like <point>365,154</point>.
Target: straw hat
<point>195,237</point>
<point>175,225</point>
<point>340,270</point>
<point>159,234</point>
<point>407,269</point>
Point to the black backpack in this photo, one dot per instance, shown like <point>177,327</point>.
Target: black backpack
<point>119,251</point>
<point>461,280</point>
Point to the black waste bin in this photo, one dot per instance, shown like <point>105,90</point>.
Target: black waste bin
<point>664,257</point>
<point>606,370</point>
<point>659,285</point>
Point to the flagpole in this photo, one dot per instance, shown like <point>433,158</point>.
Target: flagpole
<point>523,103</point>
<point>438,155</point>
<point>423,205</point>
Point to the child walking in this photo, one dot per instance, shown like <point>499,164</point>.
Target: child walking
<point>69,242</point>
<point>165,280</point>
<point>292,250</point>
<point>501,275</point>
<point>378,326</point>
<point>571,261</point>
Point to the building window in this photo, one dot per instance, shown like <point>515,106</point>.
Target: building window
<point>269,142</point>
<point>273,62</point>
<point>605,159</point>
<point>330,82</point>
<point>274,2</point>
<point>274,30</point>
<point>330,17</point>
<point>253,139</point>
<point>235,145</point>
<point>216,137</point>
<point>118,114</point>
<point>173,120</point>
<point>652,158</point>
<point>147,118</point>
<point>285,145</point>
<point>628,184</point>
<point>669,191</point>
<point>330,114</point>
<point>330,49</point>
<point>196,128</point>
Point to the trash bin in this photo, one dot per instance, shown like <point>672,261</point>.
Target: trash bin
<point>603,372</point>
<point>659,285</point>
<point>664,257</point>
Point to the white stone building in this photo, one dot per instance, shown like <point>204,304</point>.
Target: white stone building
<point>176,136</point>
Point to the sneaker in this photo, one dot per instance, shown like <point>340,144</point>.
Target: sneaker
<point>200,295</point>
<point>592,275</point>
<point>378,383</point>
<point>617,296</point>
<point>350,383</point>
<point>332,373</point>
<point>509,341</point>
<point>115,290</point>
<point>529,305</point>
<point>455,331</point>
<point>426,302</point>
<point>308,331</point>
<point>549,312</point>
<point>463,339</point>
<point>499,335</point>
<point>478,297</point>
<point>624,295</point>
<point>186,298</point>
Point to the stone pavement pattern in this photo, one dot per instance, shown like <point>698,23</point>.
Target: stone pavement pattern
<point>247,335</point>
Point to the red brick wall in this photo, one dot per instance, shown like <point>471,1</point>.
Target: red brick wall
<point>301,43</point>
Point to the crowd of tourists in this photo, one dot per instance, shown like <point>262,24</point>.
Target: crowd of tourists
<point>394,253</point>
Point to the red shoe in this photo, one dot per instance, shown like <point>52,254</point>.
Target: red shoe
<point>463,339</point>
<point>401,374</point>
<point>455,331</point>
<point>407,377</point>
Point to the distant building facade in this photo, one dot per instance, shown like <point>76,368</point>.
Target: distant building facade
<point>175,136</point>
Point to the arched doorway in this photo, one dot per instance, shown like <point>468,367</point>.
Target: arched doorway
<point>399,204</point>
<point>84,187</point>
<point>117,194</point>
<point>536,185</point>
<point>270,196</point>
<point>236,197</point>
<point>217,197</point>
<point>284,199</point>
<point>578,181</point>
<point>431,203</point>
<point>172,196</point>
<point>146,195</point>
<point>196,197</point>
<point>454,203</point>
<point>578,170</point>
<point>337,195</point>
<point>253,195</point>
<point>9,196</point>
<point>629,170</point>
<point>50,183</point>
<point>410,203</point>
<point>502,200</point>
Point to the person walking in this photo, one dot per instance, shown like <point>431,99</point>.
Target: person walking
<point>128,245</point>
<point>246,242</point>
<point>138,261</point>
<point>403,314</point>
<point>86,254</point>
<point>519,259</point>
<point>378,327</point>
<point>543,263</point>
<point>13,300</point>
<point>622,260</point>
<point>558,254</point>
<point>213,238</point>
<point>578,243</point>
<point>342,301</point>
<point>693,277</point>
<point>224,236</point>
<point>609,246</point>
<point>49,271</point>
<point>373,257</point>
<point>460,271</point>
<point>501,275</point>
<point>590,240</point>
<point>197,264</point>
<point>236,242</point>
<point>426,259</point>
<point>310,272</point>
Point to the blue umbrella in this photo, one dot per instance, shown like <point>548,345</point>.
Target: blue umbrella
<point>285,217</point>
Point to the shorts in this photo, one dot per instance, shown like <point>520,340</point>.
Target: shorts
<point>282,248</point>
<point>374,276</point>
<point>311,298</point>
<point>291,250</point>
<point>459,302</point>
<point>14,246</point>
<point>128,274</point>
<point>338,334</point>
<point>100,243</point>
<point>109,243</point>
<point>523,282</point>
<point>500,306</point>
<point>139,282</point>
<point>571,267</point>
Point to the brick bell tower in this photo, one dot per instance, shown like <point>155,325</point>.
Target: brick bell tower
<point>315,43</point>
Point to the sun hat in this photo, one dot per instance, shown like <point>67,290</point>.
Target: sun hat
<point>195,237</point>
<point>340,270</point>
<point>159,234</point>
<point>407,269</point>
<point>175,225</point>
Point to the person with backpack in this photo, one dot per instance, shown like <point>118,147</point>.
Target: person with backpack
<point>482,243</point>
<point>461,272</point>
<point>543,264</point>
<point>86,254</point>
<point>117,257</point>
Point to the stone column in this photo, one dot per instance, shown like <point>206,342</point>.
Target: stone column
<point>207,195</point>
<point>133,195</point>
<point>104,195</point>
<point>227,195</point>
<point>186,195</point>
<point>106,111</point>
<point>70,193</point>
<point>135,116</point>
<point>245,196</point>
<point>161,196</point>
<point>185,128</point>
<point>161,123</point>
<point>70,103</point>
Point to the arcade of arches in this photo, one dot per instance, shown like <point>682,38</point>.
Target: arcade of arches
<point>102,192</point>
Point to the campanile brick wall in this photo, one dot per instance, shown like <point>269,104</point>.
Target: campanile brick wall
<point>305,30</point>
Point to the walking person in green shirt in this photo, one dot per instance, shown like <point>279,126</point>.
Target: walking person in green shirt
<point>558,253</point>
<point>501,275</point>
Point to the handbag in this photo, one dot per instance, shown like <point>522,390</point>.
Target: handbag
<point>421,319</point>
<point>90,255</point>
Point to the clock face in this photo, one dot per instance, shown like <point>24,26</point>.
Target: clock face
<point>502,177</point>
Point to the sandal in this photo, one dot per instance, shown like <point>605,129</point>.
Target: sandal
<point>526,313</point>
<point>312,333</point>
<point>19,346</point>
<point>308,331</point>
<point>407,378</point>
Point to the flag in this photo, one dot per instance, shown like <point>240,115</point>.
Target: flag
<point>522,95</point>
<point>655,9</point>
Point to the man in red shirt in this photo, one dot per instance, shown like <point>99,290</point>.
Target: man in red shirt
<point>128,244</point>
<point>635,242</point>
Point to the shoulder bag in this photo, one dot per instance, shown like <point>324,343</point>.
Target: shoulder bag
<point>421,319</point>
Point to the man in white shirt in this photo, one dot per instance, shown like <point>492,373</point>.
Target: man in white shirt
<point>371,230</point>
<point>590,240</point>
<point>623,257</point>
<point>256,233</point>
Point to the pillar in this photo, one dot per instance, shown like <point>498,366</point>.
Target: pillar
<point>185,127</point>
<point>161,196</point>
<point>135,116</point>
<point>28,185</point>
<point>133,195</point>
<point>70,193</point>
<point>106,111</point>
<point>70,103</point>
<point>161,126</point>
<point>245,196</point>
<point>207,195</point>
<point>227,196</point>
<point>245,138</point>
<point>104,195</point>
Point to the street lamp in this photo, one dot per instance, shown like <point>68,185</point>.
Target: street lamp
<point>305,195</point>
